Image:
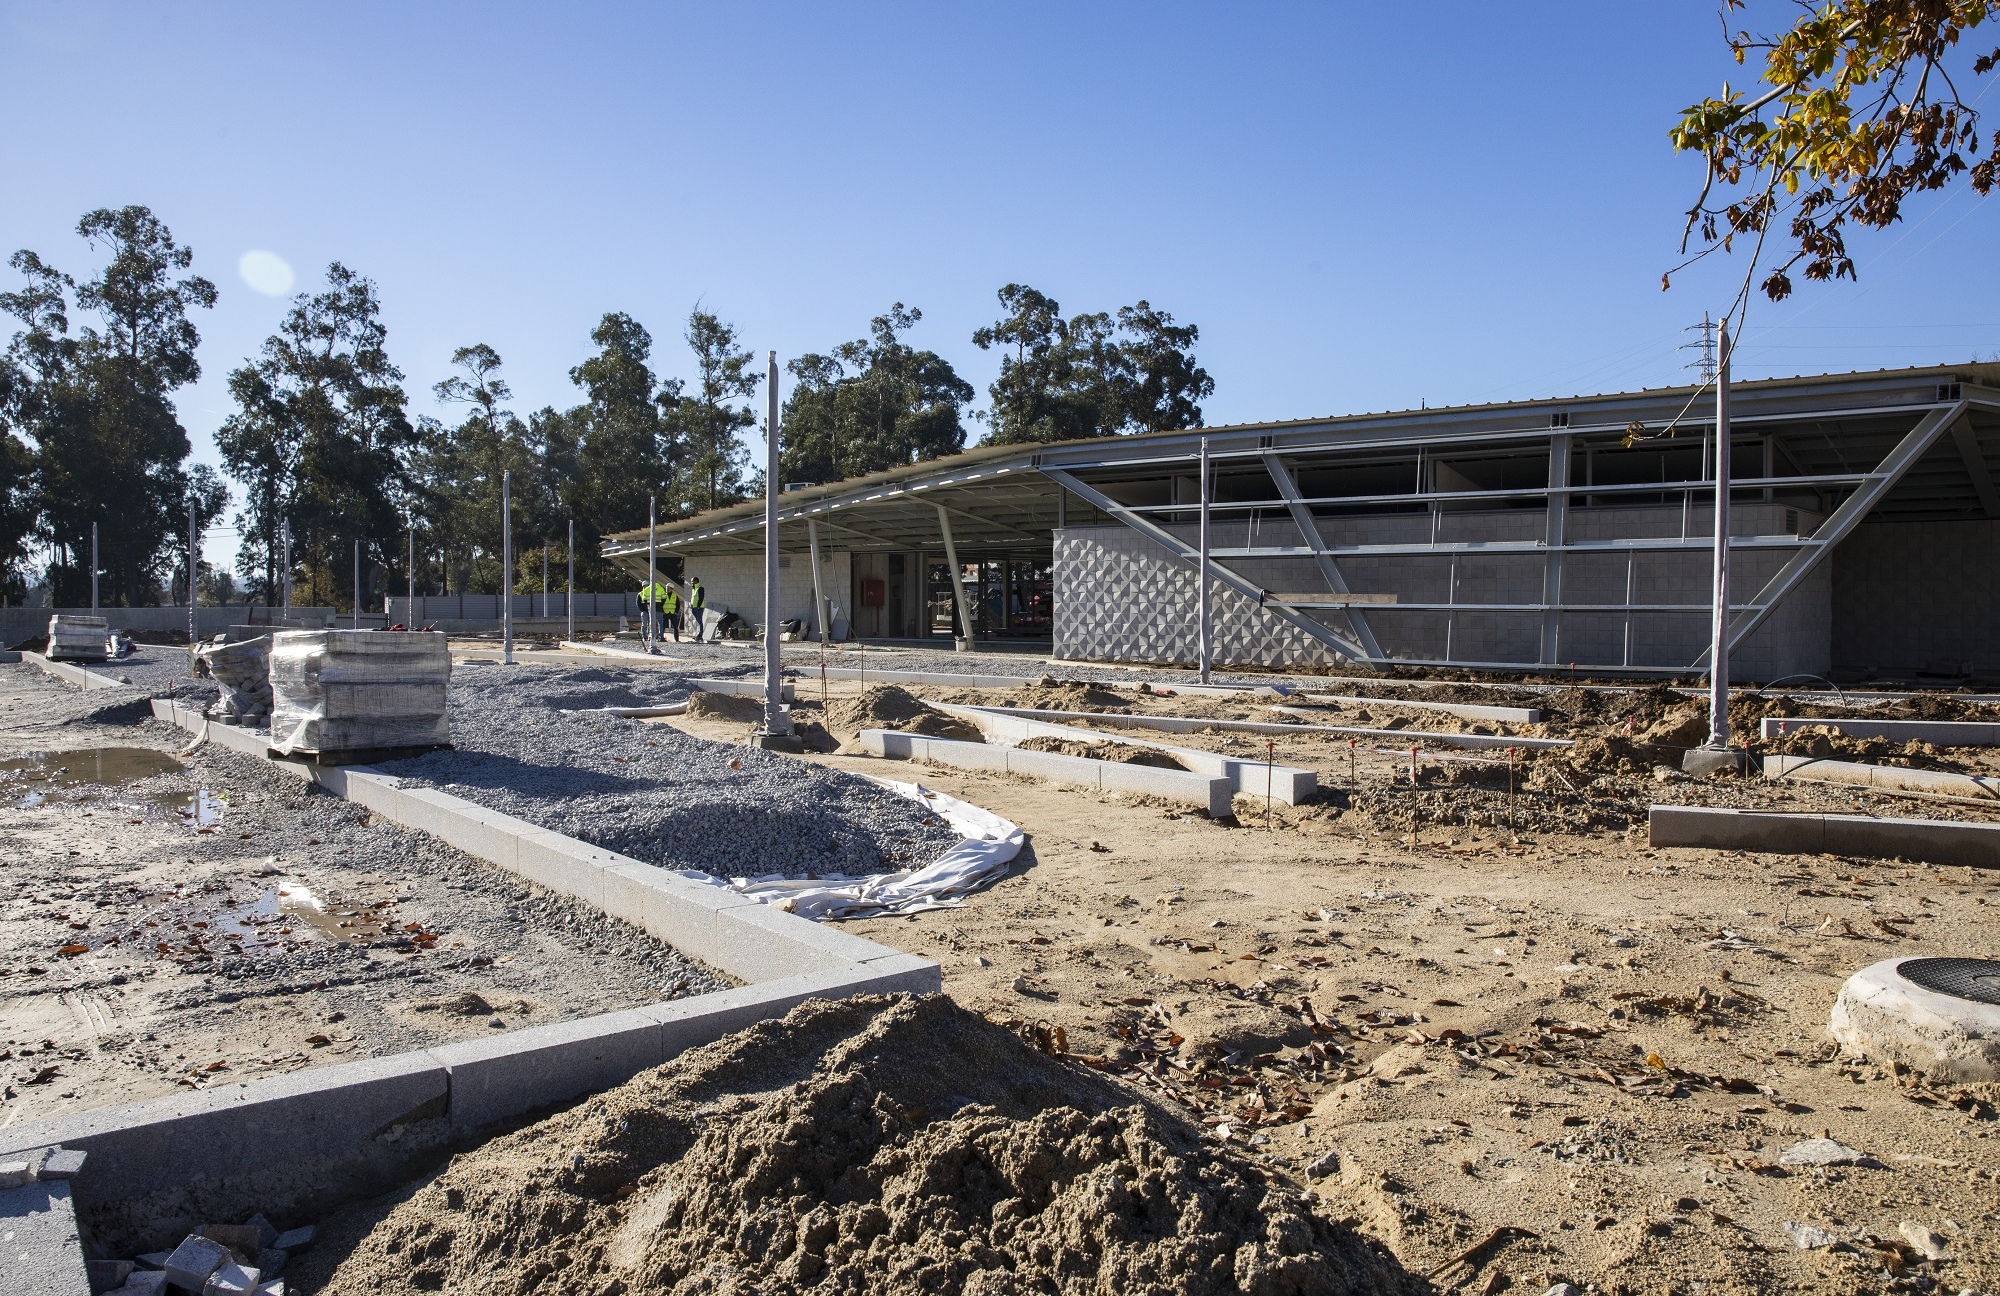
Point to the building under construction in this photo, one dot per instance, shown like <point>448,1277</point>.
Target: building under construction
<point>1865,531</point>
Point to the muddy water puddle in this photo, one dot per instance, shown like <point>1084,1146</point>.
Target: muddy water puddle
<point>29,778</point>
<point>197,926</point>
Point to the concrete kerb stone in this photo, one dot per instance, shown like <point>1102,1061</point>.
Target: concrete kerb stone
<point>1286,783</point>
<point>43,1253</point>
<point>307,1141</point>
<point>1931,840</point>
<point>1941,782</point>
<point>495,1079</point>
<point>87,680</point>
<point>1945,733</point>
<point>1211,792</point>
<point>1466,740</point>
<point>1463,710</point>
<point>223,1152</point>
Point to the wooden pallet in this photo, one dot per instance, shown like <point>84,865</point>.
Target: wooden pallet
<point>357,756</point>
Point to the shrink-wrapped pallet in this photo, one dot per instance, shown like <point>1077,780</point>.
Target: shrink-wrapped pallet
<point>240,667</point>
<point>350,691</point>
<point>78,638</point>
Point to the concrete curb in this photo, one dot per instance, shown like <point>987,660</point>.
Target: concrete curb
<point>1287,784</point>
<point>1211,792</point>
<point>305,1142</point>
<point>1945,733</point>
<point>1463,710</point>
<point>87,680</point>
<point>1470,741</point>
<point>1932,840</point>
<point>1812,770</point>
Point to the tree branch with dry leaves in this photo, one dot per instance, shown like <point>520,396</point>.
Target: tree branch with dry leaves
<point>1865,108</point>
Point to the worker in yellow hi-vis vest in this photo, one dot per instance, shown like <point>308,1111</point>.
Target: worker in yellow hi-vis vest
<point>654,596</point>
<point>672,604</point>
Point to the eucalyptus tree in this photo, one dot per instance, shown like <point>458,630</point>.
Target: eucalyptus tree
<point>321,439</point>
<point>871,404</point>
<point>97,406</point>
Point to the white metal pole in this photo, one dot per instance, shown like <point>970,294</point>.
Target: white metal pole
<point>1718,653</point>
<point>410,569</point>
<point>357,584</point>
<point>285,577</point>
<point>1201,570</point>
<point>194,567</point>
<point>648,632</point>
<point>93,566</point>
<point>569,586</point>
<point>507,566</point>
<point>776,722</point>
<point>545,581</point>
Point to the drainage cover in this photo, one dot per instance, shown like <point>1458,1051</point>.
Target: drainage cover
<point>1961,978</point>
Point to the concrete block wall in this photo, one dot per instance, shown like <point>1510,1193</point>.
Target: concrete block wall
<point>736,583</point>
<point>19,623</point>
<point>1119,597</point>
<point>1912,596</point>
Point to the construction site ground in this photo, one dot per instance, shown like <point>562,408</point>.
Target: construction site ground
<point>1548,1049</point>
<point>149,944</point>
<point>1470,1011</point>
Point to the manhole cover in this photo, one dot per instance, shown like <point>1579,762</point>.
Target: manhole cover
<point>1974,979</point>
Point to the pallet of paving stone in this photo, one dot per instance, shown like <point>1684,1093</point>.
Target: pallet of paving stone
<point>337,694</point>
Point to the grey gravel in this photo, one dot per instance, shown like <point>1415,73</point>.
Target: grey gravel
<point>726,659</point>
<point>655,793</point>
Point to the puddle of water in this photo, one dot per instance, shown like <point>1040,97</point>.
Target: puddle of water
<point>98,766</point>
<point>204,810</point>
<point>280,910</point>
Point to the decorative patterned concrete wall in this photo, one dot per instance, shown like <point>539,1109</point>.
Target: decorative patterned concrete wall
<point>1914,596</point>
<point>1120,597</point>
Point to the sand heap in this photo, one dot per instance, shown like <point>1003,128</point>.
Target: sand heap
<point>880,1145</point>
<point>726,706</point>
<point>888,707</point>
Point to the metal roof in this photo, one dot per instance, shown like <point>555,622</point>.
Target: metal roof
<point>1832,428</point>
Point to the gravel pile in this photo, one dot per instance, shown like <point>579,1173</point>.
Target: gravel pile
<point>525,748</point>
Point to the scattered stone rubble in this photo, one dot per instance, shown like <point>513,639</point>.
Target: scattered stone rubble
<point>217,1260</point>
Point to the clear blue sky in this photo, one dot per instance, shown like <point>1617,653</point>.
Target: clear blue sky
<point>1362,207</point>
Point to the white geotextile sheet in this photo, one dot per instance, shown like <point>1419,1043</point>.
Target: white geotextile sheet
<point>989,845</point>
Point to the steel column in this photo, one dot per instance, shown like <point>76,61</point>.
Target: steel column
<point>1555,537</point>
<point>957,576</point>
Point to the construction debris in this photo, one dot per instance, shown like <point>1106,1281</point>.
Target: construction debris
<point>216,1260</point>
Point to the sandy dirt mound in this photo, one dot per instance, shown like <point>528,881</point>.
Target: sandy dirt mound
<point>890,707</point>
<point>881,1145</point>
<point>1118,753</point>
<point>1047,694</point>
<point>726,706</point>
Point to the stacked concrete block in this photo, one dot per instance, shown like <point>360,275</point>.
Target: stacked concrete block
<point>352,691</point>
